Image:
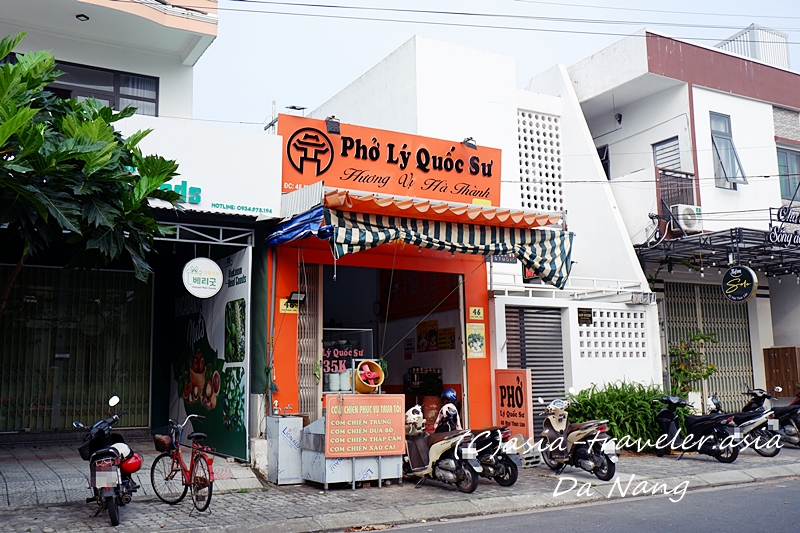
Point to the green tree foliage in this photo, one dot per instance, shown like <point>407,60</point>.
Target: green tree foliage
<point>66,175</point>
<point>688,364</point>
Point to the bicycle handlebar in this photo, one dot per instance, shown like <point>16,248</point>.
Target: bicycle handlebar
<point>188,417</point>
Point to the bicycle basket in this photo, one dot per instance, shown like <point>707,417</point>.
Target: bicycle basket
<point>163,443</point>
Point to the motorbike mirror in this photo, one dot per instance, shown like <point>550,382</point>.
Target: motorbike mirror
<point>78,425</point>
<point>540,400</point>
<point>778,389</point>
<point>114,400</point>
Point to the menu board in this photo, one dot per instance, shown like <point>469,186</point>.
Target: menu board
<point>417,293</point>
<point>364,425</point>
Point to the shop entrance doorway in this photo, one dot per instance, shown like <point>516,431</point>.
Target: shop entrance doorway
<point>410,322</point>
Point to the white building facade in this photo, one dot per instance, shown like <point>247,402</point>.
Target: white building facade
<point>700,147</point>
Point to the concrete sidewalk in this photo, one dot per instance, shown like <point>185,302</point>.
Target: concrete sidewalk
<point>35,483</point>
<point>55,473</point>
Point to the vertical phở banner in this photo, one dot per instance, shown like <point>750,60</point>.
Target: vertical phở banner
<point>211,359</point>
<point>513,401</point>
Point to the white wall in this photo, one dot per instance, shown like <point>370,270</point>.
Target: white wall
<point>645,122</point>
<point>385,97</point>
<point>238,171</point>
<point>754,139</point>
<point>582,372</point>
<point>624,60</point>
<point>785,311</point>
<point>630,145</point>
<point>592,211</point>
<point>175,80</point>
<point>636,196</point>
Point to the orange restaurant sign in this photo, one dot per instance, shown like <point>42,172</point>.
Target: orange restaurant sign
<point>513,401</point>
<point>387,162</point>
<point>364,425</point>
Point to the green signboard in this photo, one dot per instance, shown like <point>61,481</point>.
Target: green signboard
<point>210,366</point>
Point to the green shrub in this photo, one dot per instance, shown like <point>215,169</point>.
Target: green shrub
<point>629,408</point>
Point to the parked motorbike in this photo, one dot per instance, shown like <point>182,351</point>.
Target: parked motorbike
<point>497,461</point>
<point>111,464</point>
<point>446,457</point>
<point>710,434</point>
<point>782,421</point>
<point>750,425</point>
<point>584,444</point>
<point>792,431</point>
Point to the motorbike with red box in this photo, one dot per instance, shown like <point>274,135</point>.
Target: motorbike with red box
<point>111,464</point>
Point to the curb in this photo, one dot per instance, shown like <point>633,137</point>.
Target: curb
<point>433,513</point>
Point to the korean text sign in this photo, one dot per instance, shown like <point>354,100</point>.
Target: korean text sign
<point>387,162</point>
<point>364,425</point>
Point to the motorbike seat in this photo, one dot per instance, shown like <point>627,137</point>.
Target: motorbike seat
<point>439,437</point>
<point>578,425</point>
<point>741,418</point>
<point>692,420</point>
<point>789,410</point>
<point>197,436</point>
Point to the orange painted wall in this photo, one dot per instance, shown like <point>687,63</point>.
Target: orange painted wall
<point>314,251</point>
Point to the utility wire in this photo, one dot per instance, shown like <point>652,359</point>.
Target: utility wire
<point>638,9</point>
<point>538,18</point>
<point>442,23</point>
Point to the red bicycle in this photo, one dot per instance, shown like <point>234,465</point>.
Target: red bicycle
<point>171,476</point>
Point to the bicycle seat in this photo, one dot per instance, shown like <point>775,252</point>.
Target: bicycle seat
<point>197,436</point>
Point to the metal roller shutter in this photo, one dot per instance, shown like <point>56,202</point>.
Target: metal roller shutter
<point>533,337</point>
<point>309,340</point>
<point>692,307</point>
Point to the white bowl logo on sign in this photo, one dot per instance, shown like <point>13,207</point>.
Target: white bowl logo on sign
<point>202,277</point>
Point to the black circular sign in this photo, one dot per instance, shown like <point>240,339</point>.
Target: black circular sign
<point>309,146</point>
<point>739,283</point>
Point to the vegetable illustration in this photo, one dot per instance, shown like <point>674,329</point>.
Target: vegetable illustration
<point>475,342</point>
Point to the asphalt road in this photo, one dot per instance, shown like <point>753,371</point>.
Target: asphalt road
<point>771,507</point>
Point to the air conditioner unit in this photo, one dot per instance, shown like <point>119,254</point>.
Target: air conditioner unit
<point>690,218</point>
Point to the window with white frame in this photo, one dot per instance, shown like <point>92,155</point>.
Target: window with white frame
<point>728,170</point>
<point>789,171</point>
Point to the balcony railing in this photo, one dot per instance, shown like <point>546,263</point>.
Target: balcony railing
<point>675,186</point>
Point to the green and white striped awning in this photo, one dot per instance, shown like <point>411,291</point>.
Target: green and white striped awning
<point>544,250</point>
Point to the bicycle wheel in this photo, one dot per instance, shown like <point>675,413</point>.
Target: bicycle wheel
<point>201,484</point>
<point>167,479</point>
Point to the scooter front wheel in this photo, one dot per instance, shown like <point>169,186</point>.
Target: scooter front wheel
<point>468,480</point>
<point>548,460</point>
